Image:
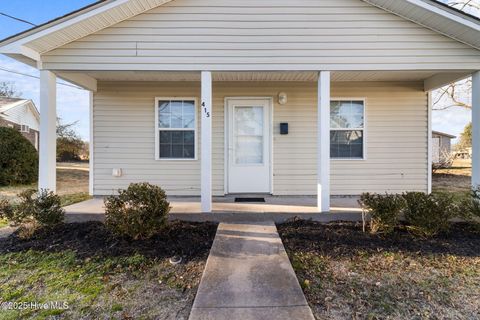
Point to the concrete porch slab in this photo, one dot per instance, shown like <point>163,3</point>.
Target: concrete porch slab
<point>275,208</point>
<point>248,276</point>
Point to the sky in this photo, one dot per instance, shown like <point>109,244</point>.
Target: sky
<point>72,103</point>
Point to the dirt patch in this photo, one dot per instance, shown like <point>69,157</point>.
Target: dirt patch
<point>103,276</point>
<point>348,274</point>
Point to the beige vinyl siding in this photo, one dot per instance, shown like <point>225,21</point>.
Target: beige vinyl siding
<point>396,140</point>
<point>124,137</point>
<point>396,137</point>
<point>264,35</point>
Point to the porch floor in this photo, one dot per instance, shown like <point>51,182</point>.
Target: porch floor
<point>225,209</point>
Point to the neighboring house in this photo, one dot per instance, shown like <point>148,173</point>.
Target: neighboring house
<point>441,146</point>
<point>21,114</point>
<point>212,97</point>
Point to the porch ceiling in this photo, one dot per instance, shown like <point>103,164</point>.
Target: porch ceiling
<point>261,76</point>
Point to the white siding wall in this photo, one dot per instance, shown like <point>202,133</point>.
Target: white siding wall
<point>396,137</point>
<point>264,35</point>
<point>23,115</point>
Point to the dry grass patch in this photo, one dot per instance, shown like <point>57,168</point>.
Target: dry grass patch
<point>101,276</point>
<point>456,179</point>
<point>347,274</point>
<point>72,183</point>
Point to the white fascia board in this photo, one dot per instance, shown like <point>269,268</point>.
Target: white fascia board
<point>34,109</point>
<point>14,45</point>
<point>56,27</point>
<point>79,79</point>
<point>442,79</point>
<point>16,48</point>
<point>442,13</point>
<point>432,8</point>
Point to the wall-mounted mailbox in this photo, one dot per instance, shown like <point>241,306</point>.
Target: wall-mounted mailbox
<point>283,128</point>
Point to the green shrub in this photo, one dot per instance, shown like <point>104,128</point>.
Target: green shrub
<point>139,212</point>
<point>47,208</point>
<point>42,207</point>
<point>429,214</point>
<point>471,206</point>
<point>18,158</point>
<point>383,209</point>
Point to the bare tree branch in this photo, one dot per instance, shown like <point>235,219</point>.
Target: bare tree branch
<point>453,95</point>
<point>465,4</point>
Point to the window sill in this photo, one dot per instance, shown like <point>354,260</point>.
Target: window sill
<point>175,159</point>
<point>348,159</point>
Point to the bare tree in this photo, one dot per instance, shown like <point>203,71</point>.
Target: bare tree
<point>7,89</point>
<point>453,95</point>
<point>457,94</point>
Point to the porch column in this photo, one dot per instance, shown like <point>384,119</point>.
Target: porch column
<point>476,129</point>
<point>47,177</point>
<point>323,142</point>
<point>206,142</point>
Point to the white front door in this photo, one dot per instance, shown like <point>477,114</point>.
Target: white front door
<point>248,143</point>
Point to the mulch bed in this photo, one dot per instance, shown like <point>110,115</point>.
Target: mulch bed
<point>188,239</point>
<point>348,274</point>
<point>342,239</point>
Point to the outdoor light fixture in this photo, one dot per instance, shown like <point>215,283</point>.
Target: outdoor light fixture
<point>117,172</point>
<point>282,98</point>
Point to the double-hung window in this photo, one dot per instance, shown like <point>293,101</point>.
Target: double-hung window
<point>175,128</point>
<point>347,126</point>
<point>24,128</point>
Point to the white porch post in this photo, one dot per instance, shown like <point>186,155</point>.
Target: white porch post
<point>91,174</point>
<point>429,142</point>
<point>47,177</point>
<point>323,142</point>
<point>206,142</point>
<point>476,129</point>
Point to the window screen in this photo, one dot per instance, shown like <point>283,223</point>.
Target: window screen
<point>176,129</point>
<point>347,129</point>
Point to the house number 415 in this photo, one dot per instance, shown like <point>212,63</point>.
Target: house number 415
<point>207,113</point>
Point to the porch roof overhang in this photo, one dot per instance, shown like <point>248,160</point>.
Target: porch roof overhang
<point>432,79</point>
<point>29,46</point>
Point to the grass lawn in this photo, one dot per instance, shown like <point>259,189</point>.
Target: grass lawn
<point>72,185</point>
<point>346,274</point>
<point>456,179</point>
<point>72,179</point>
<point>100,276</point>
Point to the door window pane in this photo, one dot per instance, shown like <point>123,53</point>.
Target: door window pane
<point>248,135</point>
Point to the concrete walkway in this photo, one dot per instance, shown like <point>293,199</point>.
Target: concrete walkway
<point>248,276</point>
<point>6,231</point>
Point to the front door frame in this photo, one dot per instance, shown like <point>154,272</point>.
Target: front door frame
<point>269,100</point>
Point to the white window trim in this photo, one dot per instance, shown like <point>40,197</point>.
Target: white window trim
<point>195,129</point>
<point>364,129</point>
<point>25,128</point>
